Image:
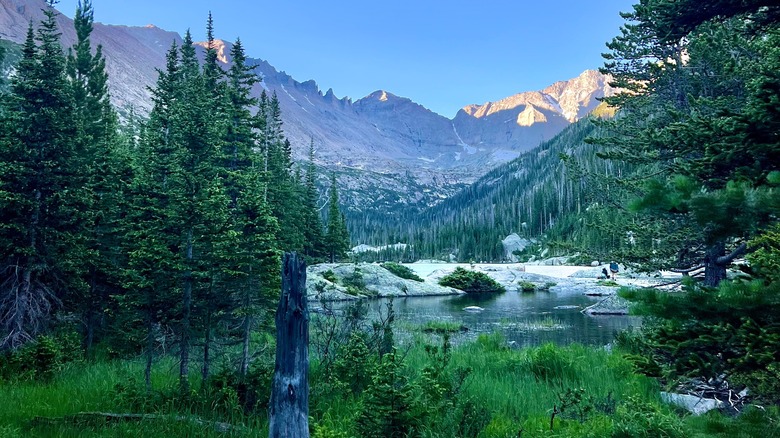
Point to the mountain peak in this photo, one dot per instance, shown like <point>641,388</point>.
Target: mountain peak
<point>529,116</point>
<point>384,97</point>
<point>222,48</point>
<point>572,99</point>
<point>381,96</point>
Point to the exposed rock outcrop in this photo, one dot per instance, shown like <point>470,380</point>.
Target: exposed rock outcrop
<point>376,282</point>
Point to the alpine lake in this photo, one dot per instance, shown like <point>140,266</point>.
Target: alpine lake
<point>524,319</point>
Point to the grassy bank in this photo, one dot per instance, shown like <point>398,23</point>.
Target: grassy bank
<point>482,389</point>
<point>115,387</point>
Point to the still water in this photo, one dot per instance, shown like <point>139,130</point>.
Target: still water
<point>525,319</point>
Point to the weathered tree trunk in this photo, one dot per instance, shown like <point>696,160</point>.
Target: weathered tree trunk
<point>716,261</point>
<point>289,408</point>
<point>206,370</point>
<point>149,350</point>
<point>184,365</point>
<point>714,272</point>
<point>247,324</point>
<point>93,309</point>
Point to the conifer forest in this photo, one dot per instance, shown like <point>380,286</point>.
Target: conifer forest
<point>141,255</point>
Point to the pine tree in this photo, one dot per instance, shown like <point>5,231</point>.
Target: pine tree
<point>337,236</point>
<point>256,258</point>
<point>390,408</point>
<point>694,125</point>
<point>312,222</point>
<point>103,166</point>
<point>41,205</point>
<point>212,303</point>
<point>283,190</point>
<point>201,201</point>
<point>153,233</point>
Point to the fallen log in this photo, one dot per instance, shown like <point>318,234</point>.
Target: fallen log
<point>105,418</point>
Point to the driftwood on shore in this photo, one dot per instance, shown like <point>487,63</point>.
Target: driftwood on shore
<point>106,418</point>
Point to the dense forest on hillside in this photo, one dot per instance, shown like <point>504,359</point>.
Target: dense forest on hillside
<point>536,196</point>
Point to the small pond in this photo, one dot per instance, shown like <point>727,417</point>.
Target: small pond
<point>526,319</point>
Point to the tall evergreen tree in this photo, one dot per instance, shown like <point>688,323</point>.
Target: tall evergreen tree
<point>201,201</point>
<point>153,230</point>
<point>103,168</point>
<point>694,120</point>
<point>255,257</point>
<point>284,196</point>
<point>337,237</point>
<point>312,222</point>
<point>41,205</point>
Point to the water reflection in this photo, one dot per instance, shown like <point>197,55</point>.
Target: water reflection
<point>526,319</point>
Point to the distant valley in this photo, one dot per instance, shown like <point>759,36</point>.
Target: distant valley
<point>388,151</point>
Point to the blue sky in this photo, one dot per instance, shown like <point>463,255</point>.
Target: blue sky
<point>441,54</point>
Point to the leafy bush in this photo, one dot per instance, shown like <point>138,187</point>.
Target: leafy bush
<point>526,286</point>
<point>580,260</point>
<point>330,276</point>
<point>355,280</point>
<point>40,359</point>
<point>471,282</point>
<point>401,271</point>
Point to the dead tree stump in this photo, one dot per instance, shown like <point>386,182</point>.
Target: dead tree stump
<point>289,408</point>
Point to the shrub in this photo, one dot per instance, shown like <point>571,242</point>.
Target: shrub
<point>526,286</point>
<point>330,276</point>
<point>354,364</point>
<point>471,282</point>
<point>355,280</point>
<point>765,260</point>
<point>639,419</point>
<point>550,362</point>
<point>580,260</point>
<point>442,327</point>
<point>390,407</point>
<point>401,271</point>
<point>42,358</point>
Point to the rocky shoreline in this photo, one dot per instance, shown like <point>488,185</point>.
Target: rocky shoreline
<point>350,281</point>
<point>368,280</point>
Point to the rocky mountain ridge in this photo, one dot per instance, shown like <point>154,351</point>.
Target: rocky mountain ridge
<point>387,150</point>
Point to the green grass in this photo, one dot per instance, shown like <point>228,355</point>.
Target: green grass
<point>610,283</point>
<point>90,387</point>
<point>442,327</point>
<point>518,388</point>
